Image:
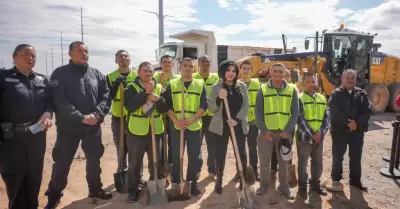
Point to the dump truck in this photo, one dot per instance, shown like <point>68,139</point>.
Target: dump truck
<point>377,72</point>
<point>195,43</point>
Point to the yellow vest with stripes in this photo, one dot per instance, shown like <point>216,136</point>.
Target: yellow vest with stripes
<point>116,103</point>
<point>253,89</point>
<point>212,79</point>
<point>139,124</point>
<point>192,97</point>
<point>314,109</point>
<point>277,106</point>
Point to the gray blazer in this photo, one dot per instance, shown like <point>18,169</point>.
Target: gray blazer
<point>216,124</point>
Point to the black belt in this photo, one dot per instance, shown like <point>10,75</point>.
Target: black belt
<point>22,127</point>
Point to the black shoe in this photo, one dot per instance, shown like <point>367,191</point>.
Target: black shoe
<point>302,193</point>
<point>133,197</point>
<point>194,191</point>
<point>101,194</point>
<point>359,186</point>
<point>218,186</point>
<point>53,201</point>
<point>320,190</point>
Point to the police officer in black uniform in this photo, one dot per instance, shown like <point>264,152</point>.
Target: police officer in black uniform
<point>80,95</point>
<point>25,101</point>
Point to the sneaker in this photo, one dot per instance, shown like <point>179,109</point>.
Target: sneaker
<point>101,194</point>
<point>320,190</point>
<point>335,186</point>
<point>287,196</point>
<point>262,190</point>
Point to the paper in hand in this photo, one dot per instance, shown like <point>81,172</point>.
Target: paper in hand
<point>37,127</point>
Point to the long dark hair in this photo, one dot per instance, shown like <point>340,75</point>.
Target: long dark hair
<point>223,67</point>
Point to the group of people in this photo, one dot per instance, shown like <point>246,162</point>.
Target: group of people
<point>268,115</point>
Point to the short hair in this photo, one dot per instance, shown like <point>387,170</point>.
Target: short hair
<point>120,51</point>
<point>186,59</point>
<point>165,57</point>
<point>19,48</point>
<point>246,62</point>
<point>278,64</point>
<point>71,45</point>
<point>204,57</point>
<point>308,74</point>
<point>350,71</point>
<point>143,64</point>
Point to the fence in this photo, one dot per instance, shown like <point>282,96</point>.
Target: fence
<point>393,170</point>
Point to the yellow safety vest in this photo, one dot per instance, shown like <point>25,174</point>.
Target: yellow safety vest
<point>156,77</point>
<point>139,124</point>
<point>253,89</point>
<point>192,97</point>
<point>277,106</point>
<point>116,103</point>
<point>314,109</point>
<point>212,79</point>
<point>294,86</point>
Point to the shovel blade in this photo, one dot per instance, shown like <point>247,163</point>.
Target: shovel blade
<point>157,192</point>
<point>250,175</point>
<point>181,191</point>
<point>246,198</point>
<point>121,181</point>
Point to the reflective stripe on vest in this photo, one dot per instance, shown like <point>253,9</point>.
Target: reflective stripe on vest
<point>212,79</point>
<point>116,103</point>
<point>192,97</point>
<point>139,124</point>
<point>156,77</point>
<point>277,106</point>
<point>253,89</point>
<point>314,109</point>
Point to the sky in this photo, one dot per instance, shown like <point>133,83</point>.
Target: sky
<point>112,25</point>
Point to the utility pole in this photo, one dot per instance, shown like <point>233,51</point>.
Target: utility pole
<point>82,23</point>
<point>52,60</point>
<point>161,17</point>
<point>62,54</point>
<point>47,74</point>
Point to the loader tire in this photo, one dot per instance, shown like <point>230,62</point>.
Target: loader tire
<point>379,96</point>
<point>394,90</point>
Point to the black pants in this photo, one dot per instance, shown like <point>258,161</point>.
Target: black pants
<point>210,144</point>
<point>221,144</point>
<point>168,135</point>
<point>137,146</point>
<point>64,151</point>
<point>21,167</point>
<point>340,140</point>
<point>193,142</point>
<point>252,146</point>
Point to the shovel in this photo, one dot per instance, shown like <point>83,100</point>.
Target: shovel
<point>165,170</point>
<point>247,194</point>
<point>121,177</point>
<point>182,191</point>
<point>157,187</point>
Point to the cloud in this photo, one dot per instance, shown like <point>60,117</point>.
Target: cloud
<point>108,27</point>
<point>299,19</point>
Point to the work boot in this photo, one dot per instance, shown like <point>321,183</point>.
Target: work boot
<point>101,194</point>
<point>194,190</point>
<point>292,176</point>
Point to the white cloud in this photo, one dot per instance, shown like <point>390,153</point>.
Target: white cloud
<point>270,19</point>
<point>108,27</point>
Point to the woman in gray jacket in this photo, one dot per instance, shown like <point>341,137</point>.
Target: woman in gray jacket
<point>236,93</point>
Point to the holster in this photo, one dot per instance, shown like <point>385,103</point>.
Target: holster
<point>7,131</point>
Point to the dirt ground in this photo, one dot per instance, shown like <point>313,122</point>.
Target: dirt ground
<point>384,193</point>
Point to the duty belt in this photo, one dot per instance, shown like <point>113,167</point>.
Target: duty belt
<point>22,127</point>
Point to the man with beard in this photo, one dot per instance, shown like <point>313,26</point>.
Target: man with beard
<point>350,110</point>
<point>80,95</point>
<point>209,80</point>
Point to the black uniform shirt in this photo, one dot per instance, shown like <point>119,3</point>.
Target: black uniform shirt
<point>23,99</point>
<point>78,90</point>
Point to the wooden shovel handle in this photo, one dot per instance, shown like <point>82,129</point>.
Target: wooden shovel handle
<point>122,123</point>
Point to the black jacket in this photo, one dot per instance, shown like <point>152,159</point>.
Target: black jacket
<point>78,90</point>
<point>134,100</point>
<point>344,106</point>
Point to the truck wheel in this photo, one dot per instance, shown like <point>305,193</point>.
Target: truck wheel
<point>379,97</point>
<point>394,90</point>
